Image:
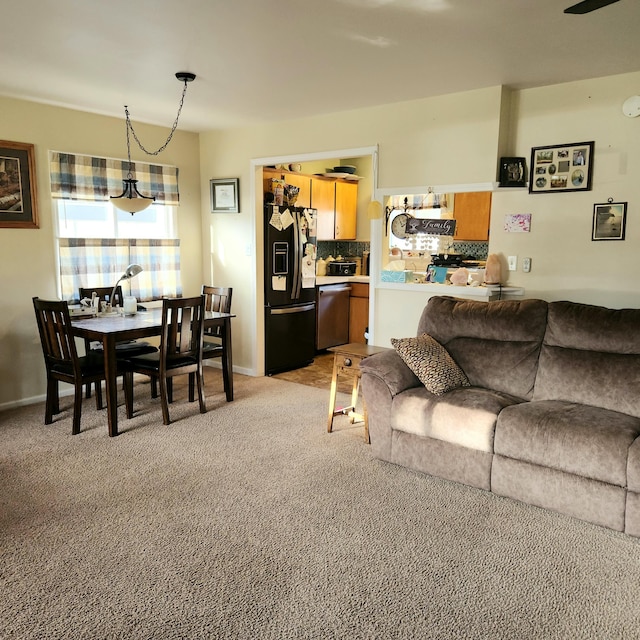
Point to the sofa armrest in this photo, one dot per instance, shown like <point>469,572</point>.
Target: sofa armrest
<point>384,375</point>
<point>390,368</point>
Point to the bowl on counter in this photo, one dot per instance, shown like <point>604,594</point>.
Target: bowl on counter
<point>345,168</point>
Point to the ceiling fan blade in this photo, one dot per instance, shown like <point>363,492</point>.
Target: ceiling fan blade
<point>586,6</point>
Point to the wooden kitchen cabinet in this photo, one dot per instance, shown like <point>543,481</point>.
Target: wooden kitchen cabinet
<point>337,204</point>
<point>346,210</point>
<point>472,212</point>
<point>335,200</point>
<point>323,198</point>
<point>358,311</point>
<point>300,180</point>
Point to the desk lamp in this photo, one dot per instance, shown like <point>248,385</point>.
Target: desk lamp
<point>131,271</point>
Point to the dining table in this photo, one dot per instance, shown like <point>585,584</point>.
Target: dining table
<point>110,329</point>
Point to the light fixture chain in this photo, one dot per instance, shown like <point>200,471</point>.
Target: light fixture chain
<point>167,141</point>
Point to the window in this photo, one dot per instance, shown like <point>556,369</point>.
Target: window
<point>96,241</point>
<point>86,219</point>
<point>421,206</point>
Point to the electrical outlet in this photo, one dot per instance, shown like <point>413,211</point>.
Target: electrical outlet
<point>513,263</point>
<point>526,264</point>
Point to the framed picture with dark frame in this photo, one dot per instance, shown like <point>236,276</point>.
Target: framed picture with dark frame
<point>18,202</point>
<point>609,221</point>
<point>513,172</point>
<point>562,167</point>
<point>224,195</point>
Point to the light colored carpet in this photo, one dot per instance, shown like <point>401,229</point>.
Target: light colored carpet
<point>251,521</point>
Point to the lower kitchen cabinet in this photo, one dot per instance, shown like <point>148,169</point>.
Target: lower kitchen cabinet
<point>358,312</point>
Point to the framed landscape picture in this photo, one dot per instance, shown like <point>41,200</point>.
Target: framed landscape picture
<point>18,203</point>
<point>609,221</point>
<point>564,167</point>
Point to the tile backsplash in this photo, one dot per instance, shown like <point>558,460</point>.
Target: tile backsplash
<point>477,250</point>
<point>344,248</point>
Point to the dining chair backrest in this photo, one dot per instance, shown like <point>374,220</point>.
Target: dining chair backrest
<point>64,365</point>
<point>102,293</point>
<point>182,330</point>
<point>217,299</point>
<point>54,326</point>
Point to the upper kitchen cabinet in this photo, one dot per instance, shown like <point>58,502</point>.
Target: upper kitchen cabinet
<point>346,210</point>
<point>300,180</point>
<point>472,212</point>
<point>323,198</point>
<point>337,203</point>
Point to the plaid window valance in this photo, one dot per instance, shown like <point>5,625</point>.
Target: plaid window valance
<point>80,177</point>
<point>86,262</point>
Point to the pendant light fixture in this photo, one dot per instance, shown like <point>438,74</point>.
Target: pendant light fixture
<point>131,199</point>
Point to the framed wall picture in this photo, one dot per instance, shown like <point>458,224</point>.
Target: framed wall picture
<point>18,202</point>
<point>564,167</point>
<point>609,221</point>
<point>224,195</point>
<point>513,172</point>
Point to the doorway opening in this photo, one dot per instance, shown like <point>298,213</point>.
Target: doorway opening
<point>312,163</point>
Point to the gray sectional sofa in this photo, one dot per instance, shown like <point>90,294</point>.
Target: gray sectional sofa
<point>551,415</point>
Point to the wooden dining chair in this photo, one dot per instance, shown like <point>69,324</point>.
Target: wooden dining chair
<point>216,299</point>
<point>103,294</point>
<point>180,351</point>
<point>124,350</point>
<point>64,365</point>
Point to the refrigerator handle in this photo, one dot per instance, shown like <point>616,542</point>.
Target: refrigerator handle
<point>297,279</point>
<point>278,311</point>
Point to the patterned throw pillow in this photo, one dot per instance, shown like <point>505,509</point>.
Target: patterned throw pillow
<point>431,363</point>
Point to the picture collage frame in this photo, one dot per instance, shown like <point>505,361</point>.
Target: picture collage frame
<point>558,168</point>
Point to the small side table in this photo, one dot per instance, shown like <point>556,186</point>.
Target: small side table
<point>347,361</point>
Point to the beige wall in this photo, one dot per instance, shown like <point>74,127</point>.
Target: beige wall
<point>458,139</point>
<point>27,256</point>
<point>449,140</point>
<point>565,263</point>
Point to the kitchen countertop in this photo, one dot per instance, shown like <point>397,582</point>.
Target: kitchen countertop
<point>433,288</point>
<point>323,280</point>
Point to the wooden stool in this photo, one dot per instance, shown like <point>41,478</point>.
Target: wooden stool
<point>347,361</point>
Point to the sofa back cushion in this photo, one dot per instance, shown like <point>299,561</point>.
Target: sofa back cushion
<point>591,355</point>
<point>495,343</point>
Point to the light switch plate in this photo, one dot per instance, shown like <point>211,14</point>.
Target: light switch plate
<point>512,261</point>
<point>526,264</point>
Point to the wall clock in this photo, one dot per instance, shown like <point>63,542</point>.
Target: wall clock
<point>399,226</point>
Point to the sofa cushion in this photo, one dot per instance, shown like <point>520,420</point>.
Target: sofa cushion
<point>495,343</point>
<point>465,416</point>
<point>591,355</point>
<point>583,440</point>
<point>431,363</point>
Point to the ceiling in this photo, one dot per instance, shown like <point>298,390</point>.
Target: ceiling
<point>259,61</point>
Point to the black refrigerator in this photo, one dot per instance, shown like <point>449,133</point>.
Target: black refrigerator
<point>289,287</point>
